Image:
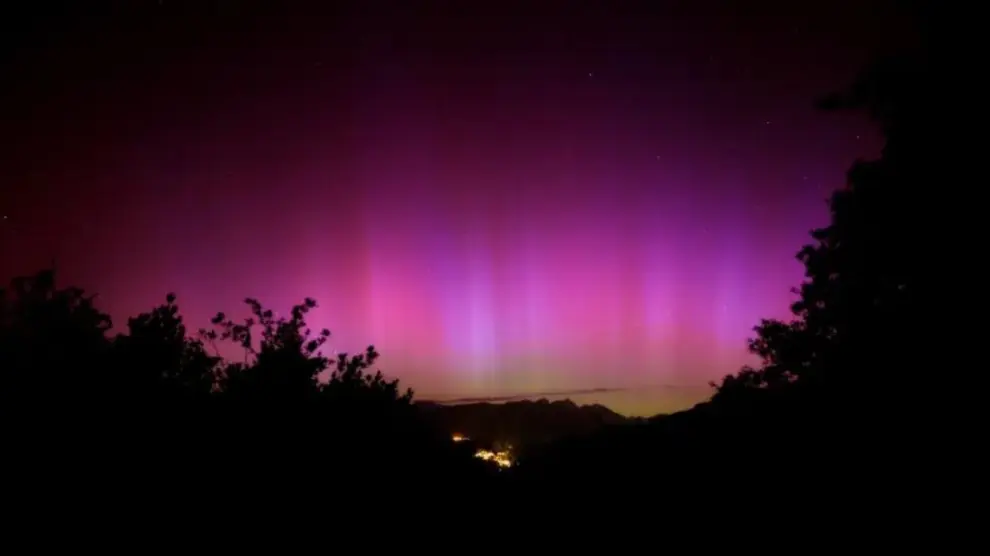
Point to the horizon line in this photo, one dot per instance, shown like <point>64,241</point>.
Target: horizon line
<point>548,394</point>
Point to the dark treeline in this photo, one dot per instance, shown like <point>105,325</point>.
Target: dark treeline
<point>156,404</point>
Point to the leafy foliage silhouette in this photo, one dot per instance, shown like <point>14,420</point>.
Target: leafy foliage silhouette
<point>52,341</point>
<point>856,320</point>
<point>281,360</point>
<point>160,399</point>
<point>159,357</point>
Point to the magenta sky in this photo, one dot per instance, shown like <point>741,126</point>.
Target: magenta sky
<point>503,205</point>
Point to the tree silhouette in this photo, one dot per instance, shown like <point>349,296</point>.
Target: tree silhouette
<point>156,357</point>
<point>286,398</point>
<point>281,355</point>
<point>351,380</point>
<point>856,324</point>
<point>52,341</point>
<point>282,359</point>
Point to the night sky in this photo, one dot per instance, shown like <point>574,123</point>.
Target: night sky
<point>505,201</point>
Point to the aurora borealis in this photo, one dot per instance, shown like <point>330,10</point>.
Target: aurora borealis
<point>503,202</point>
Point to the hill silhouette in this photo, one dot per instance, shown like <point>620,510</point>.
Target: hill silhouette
<point>521,425</point>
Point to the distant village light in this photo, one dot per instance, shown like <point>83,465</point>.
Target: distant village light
<point>502,459</point>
